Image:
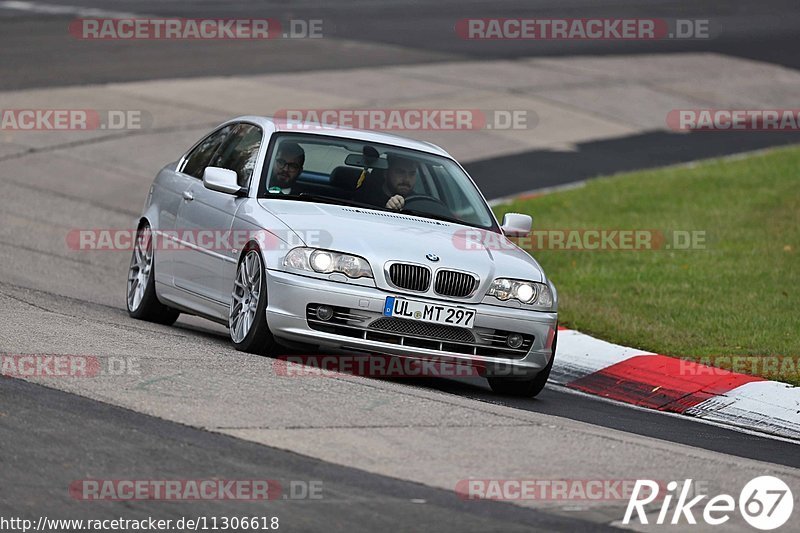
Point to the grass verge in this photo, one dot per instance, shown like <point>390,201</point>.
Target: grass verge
<point>734,295</point>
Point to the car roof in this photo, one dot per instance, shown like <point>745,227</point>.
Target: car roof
<point>271,125</point>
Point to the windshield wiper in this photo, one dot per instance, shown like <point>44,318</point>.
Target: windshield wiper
<point>307,197</point>
<point>425,214</point>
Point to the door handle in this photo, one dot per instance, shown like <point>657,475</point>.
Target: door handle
<point>188,196</point>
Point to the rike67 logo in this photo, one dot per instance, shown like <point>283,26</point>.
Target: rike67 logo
<point>765,503</point>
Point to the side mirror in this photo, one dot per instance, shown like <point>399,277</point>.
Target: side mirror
<point>221,180</point>
<point>517,225</point>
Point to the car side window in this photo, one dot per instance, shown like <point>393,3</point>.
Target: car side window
<point>198,159</point>
<point>240,152</point>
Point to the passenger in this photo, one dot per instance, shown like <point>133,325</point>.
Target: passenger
<point>288,165</point>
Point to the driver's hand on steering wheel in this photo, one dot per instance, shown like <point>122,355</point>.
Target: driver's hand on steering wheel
<point>396,202</point>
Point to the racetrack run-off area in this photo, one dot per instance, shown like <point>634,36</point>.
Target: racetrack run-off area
<point>179,403</point>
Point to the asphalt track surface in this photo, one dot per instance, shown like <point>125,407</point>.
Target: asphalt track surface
<point>550,168</point>
<point>365,33</point>
<point>36,50</point>
<point>50,438</point>
<point>76,438</point>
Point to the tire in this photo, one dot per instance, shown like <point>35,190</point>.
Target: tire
<point>528,388</point>
<point>247,318</point>
<point>141,298</point>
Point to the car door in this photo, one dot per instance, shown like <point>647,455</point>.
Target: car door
<point>188,172</point>
<point>206,216</point>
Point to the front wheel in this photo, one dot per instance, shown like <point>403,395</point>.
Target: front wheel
<point>525,387</point>
<point>141,294</point>
<point>247,319</point>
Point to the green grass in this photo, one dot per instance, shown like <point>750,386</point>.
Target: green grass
<point>738,296</point>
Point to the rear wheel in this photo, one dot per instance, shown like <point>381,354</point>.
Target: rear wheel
<point>141,294</point>
<point>247,319</point>
<point>525,387</point>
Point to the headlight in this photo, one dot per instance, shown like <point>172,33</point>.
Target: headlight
<point>321,261</point>
<point>527,292</point>
<point>327,262</point>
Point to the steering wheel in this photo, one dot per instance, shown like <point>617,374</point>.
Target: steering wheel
<point>423,197</point>
<point>439,206</point>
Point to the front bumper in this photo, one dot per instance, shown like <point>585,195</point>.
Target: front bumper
<point>290,295</point>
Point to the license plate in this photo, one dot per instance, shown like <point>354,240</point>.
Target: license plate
<point>424,312</point>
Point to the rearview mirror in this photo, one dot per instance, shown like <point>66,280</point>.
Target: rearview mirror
<point>358,160</point>
<point>221,180</point>
<point>516,225</point>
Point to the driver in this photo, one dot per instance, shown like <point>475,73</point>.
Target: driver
<point>401,176</point>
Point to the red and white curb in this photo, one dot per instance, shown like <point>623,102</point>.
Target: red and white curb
<point>669,384</point>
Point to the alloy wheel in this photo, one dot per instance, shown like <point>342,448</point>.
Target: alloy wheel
<point>245,297</point>
<point>141,266</point>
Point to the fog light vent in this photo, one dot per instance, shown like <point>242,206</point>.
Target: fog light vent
<point>324,312</point>
<point>514,340</point>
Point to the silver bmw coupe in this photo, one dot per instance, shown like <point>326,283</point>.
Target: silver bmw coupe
<point>353,241</point>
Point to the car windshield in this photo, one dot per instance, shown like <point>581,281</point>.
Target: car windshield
<point>373,175</point>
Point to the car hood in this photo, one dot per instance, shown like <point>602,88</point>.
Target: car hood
<point>381,236</point>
